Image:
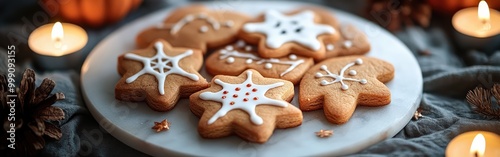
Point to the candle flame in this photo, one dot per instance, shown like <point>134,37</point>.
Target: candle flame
<point>483,11</point>
<point>57,32</point>
<point>478,146</point>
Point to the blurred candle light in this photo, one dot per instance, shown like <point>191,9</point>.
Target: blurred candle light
<point>478,146</point>
<point>474,144</point>
<point>57,39</point>
<point>480,22</point>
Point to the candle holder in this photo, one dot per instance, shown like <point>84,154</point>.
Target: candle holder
<point>487,45</point>
<point>51,63</point>
<point>477,28</point>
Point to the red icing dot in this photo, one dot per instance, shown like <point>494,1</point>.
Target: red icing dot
<point>255,98</point>
<point>247,93</point>
<point>237,89</point>
<point>249,85</point>
<point>223,97</point>
<point>235,95</point>
<point>246,99</point>
<point>231,103</point>
<point>225,92</point>
<point>254,90</point>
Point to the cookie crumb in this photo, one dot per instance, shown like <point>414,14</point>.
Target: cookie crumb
<point>160,126</point>
<point>417,115</point>
<point>324,133</point>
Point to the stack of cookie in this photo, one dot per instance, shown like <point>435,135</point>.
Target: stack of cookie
<point>256,63</point>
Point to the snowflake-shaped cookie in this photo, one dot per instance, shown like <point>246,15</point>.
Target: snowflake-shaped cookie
<point>249,105</point>
<point>340,84</point>
<point>160,66</point>
<point>299,29</point>
<point>244,96</point>
<point>159,74</point>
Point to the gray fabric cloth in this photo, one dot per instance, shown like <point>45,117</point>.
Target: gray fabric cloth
<point>446,113</point>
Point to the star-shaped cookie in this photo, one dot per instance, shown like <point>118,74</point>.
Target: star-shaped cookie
<point>195,27</point>
<point>338,85</point>
<point>159,75</point>
<point>241,56</point>
<point>352,42</point>
<point>249,105</point>
<point>301,32</point>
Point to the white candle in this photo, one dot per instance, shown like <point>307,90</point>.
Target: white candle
<point>480,22</point>
<point>57,39</point>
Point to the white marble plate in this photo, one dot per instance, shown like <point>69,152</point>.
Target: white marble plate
<point>131,122</point>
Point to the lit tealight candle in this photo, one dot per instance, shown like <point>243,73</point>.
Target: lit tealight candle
<point>55,42</point>
<point>474,144</point>
<point>57,39</point>
<point>480,22</point>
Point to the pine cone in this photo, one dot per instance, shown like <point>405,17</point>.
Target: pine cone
<point>396,14</point>
<point>33,110</point>
<point>480,100</point>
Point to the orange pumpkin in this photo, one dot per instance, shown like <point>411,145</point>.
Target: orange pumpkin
<point>94,13</point>
<point>450,7</point>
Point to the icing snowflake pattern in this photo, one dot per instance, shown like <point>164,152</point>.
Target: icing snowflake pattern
<point>340,77</point>
<point>160,66</point>
<point>245,96</point>
<point>229,53</point>
<point>280,29</point>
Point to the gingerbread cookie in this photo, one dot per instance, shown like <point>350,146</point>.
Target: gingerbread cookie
<point>236,58</point>
<point>352,42</point>
<point>301,32</point>
<point>249,105</point>
<point>159,75</point>
<point>338,85</point>
<point>195,27</point>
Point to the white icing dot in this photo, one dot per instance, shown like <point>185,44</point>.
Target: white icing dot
<point>202,16</point>
<point>330,47</point>
<point>229,23</point>
<point>347,44</point>
<point>292,57</point>
<point>160,26</point>
<point>248,48</point>
<point>323,67</point>
<point>229,47</point>
<point>359,61</point>
<point>240,43</point>
<point>345,87</point>
<point>189,18</point>
<point>363,81</point>
<point>352,72</point>
<point>324,82</point>
<point>249,61</point>
<point>203,29</point>
<point>230,60</point>
<point>318,75</point>
<point>268,66</point>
